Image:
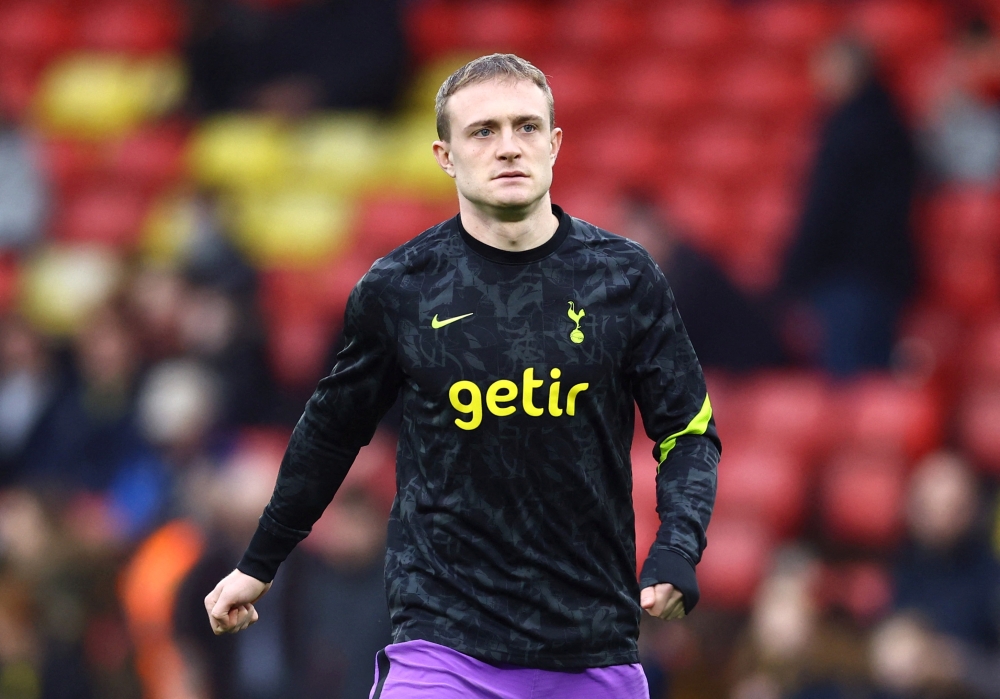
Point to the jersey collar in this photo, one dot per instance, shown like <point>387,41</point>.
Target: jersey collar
<point>519,257</point>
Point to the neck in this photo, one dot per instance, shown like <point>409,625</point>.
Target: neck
<point>505,230</point>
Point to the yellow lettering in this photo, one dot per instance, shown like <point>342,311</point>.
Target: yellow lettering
<point>571,398</point>
<point>554,409</point>
<point>530,384</point>
<point>474,407</point>
<point>502,391</point>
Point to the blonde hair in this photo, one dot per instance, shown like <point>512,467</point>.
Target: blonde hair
<point>497,66</point>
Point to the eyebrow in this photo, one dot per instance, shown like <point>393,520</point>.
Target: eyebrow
<point>519,119</point>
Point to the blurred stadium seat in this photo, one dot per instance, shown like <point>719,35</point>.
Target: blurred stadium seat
<point>432,28</point>
<point>106,214</point>
<point>34,30</point>
<point>133,26</point>
<point>762,481</point>
<point>508,26</point>
<point>661,91</point>
<point>106,95</point>
<point>898,28</point>
<point>384,223</point>
<point>976,422</point>
<point>740,553</point>
<point>337,153</point>
<point>150,158</point>
<point>240,151</point>
<point>599,28</point>
<point>701,30</point>
<point>861,499</point>
<point>789,25</point>
<point>791,411</point>
<point>62,285</point>
<point>291,227</point>
<point>880,413</point>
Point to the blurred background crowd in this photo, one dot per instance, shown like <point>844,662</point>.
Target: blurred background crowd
<point>190,189</point>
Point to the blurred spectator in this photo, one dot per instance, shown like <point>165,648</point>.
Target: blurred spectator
<point>852,261</point>
<point>964,136</point>
<point>308,55</point>
<point>324,618</point>
<point>23,191</point>
<point>729,329</point>
<point>947,581</point>
<point>27,387</point>
<point>792,650</point>
<point>92,433</point>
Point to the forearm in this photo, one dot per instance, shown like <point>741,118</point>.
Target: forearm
<point>685,492</point>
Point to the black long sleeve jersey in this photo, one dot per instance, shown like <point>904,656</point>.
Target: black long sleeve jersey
<point>512,536</point>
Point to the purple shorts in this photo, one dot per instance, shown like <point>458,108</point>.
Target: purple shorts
<point>425,670</point>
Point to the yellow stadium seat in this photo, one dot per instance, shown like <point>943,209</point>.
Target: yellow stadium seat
<point>62,285</point>
<point>291,228</point>
<point>409,166</point>
<point>241,151</point>
<point>105,95</point>
<point>337,153</point>
<point>420,97</point>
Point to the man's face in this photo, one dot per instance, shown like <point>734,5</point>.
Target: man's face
<point>502,147</point>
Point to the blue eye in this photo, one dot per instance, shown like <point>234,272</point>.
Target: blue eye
<point>482,133</point>
<point>530,128</point>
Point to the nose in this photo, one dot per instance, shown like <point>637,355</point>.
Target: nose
<point>508,147</point>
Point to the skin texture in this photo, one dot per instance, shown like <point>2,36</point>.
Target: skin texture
<point>501,153</point>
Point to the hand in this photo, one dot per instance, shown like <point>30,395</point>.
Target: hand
<point>230,604</point>
<point>663,601</point>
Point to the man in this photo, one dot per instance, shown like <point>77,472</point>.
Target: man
<point>518,337</point>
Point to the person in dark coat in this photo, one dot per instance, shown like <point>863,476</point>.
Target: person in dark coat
<point>852,262</point>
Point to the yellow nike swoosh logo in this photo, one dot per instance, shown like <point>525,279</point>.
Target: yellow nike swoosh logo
<point>435,323</point>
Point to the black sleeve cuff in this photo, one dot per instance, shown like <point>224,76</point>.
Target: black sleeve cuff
<point>265,553</point>
<point>665,566</point>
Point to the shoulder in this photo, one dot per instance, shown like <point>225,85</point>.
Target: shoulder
<point>630,256</point>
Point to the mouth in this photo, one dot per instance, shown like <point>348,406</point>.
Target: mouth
<point>510,174</point>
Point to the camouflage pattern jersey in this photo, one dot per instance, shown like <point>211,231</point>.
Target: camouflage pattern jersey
<point>512,535</point>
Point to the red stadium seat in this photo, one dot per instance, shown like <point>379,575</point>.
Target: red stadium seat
<point>432,28</point>
<point>19,80</point>
<point>590,202</point>
<point>508,26</point>
<point>698,29</point>
<point>982,354</point>
<point>338,280</point>
<point>978,433</point>
<point>33,29</point>
<point>647,521</point>
<point>106,214</point>
<point>789,25</point>
<point>628,158</point>
<point>764,88</point>
<point>597,27</point>
<point>963,217</point>
<point>900,27</point>
<point>738,555</point>
<point>861,500</point>
<point>135,26</point>
<point>579,90</point>
<point>704,213</point>
<point>72,164</point>
<point>763,482</point>
<point>789,410</point>
<point>388,222</point>
<point>879,413</point>
<point>662,90</point>
<point>149,159</point>
<point>966,281</point>
<point>726,151</point>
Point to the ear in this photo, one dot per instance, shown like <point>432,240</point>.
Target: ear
<point>442,153</point>
<point>556,143</point>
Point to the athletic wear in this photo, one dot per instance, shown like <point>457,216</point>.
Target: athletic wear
<point>512,536</point>
<point>424,670</point>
